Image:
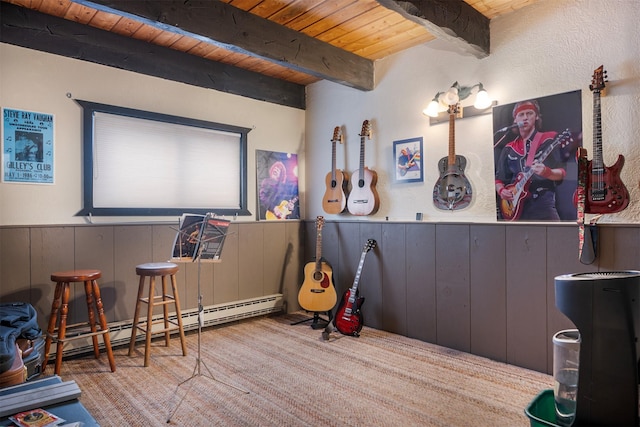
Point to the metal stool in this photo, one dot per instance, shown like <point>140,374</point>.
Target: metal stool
<point>58,331</point>
<point>153,270</point>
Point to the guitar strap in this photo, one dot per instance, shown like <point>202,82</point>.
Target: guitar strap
<point>586,246</point>
<point>537,140</point>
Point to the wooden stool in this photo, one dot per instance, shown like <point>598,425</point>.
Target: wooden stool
<point>58,329</point>
<point>153,270</point>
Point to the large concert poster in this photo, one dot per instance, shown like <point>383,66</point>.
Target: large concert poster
<point>277,176</point>
<point>535,143</point>
<point>27,147</point>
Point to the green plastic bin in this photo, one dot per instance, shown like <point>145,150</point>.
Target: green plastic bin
<point>542,410</point>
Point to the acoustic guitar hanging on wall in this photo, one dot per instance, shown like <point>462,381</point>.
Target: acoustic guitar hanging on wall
<point>452,190</point>
<point>363,198</point>
<point>335,199</point>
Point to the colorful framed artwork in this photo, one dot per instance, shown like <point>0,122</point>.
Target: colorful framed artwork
<point>277,175</point>
<point>27,151</point>
<point>407,160</point>
<point>535,143</point>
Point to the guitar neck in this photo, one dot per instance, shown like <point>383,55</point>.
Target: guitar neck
<point>451,160</point>
<point>597,162</point>
<point>354,287</point>
<point>361,172</point>
<point>318,249</point>
<point>333,160</point>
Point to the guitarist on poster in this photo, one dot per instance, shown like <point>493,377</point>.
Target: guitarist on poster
<point>520,156</point>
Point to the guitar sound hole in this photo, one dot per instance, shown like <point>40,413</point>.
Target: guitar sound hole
<point>318,276</point>
<point>361,183</point>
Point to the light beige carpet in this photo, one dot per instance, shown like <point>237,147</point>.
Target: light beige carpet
<point>296,378</point>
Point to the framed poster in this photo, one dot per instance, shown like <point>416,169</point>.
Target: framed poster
<point>536,172</point>
<point>27,147</point>
<point>407,158</point>
<point>277,175</point>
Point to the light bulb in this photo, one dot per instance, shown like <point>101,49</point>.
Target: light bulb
<point>432,109</point>
<point>451,96</point>
<point>482,100</point>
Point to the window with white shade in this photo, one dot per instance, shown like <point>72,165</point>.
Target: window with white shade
<point>138,163</point>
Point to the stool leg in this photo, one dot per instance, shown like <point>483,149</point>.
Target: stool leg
<point>176,299</point>
<point>104,327</point>
<point>136,316</point>
<point>53,319</point>
<point>147,344</point>
<point>62,329</point>
<point>88,292</point>
<point>165,310</point>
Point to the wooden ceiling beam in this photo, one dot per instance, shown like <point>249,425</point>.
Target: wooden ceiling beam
<point>240,31</point>
<point>34,30</point>
<point>452,20</point>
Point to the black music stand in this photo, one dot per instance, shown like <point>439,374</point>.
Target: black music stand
<point>208,246</point>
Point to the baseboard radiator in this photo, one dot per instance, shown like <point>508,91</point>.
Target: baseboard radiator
<point>120,332</point>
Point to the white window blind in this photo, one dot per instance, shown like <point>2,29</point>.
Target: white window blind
<point>142,165</point>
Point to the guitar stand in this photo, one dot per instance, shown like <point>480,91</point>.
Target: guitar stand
<point>315,320</point>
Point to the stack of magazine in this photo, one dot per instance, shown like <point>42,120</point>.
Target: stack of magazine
<point>200,237</point>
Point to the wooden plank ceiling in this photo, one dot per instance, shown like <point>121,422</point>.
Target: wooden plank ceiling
<point>298,41</point>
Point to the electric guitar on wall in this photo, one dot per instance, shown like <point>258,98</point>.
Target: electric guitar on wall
<point>318,293</point>
<point>512,209</point>
<point>452,190</point>
<point>363,199</point>
<point>348,318</point>
<point>606,191</point>
<point>335,200</point>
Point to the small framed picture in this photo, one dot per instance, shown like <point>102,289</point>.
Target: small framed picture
<point>407,160</point>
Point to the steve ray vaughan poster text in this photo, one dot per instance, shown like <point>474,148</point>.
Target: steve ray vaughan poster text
<point>27,151</point>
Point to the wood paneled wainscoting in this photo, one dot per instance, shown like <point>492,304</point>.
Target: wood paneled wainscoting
<point>486,289</point>
<point>260,270</point>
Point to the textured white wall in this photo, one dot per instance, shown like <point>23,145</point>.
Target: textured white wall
<point>36,81</point>
<point>548,48</point>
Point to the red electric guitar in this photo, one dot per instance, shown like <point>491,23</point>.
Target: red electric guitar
<point>335,200</point>
<point>363,199</point>
<point>318,293</point>
<point>606,191</point>
<point>348,318</point>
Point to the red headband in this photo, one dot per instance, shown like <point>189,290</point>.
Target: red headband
<point>525,106</point>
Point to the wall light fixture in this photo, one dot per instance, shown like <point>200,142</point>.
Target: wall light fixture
<point>453,96</point>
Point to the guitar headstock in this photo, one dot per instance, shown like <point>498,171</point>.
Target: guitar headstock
<point>337,134</point>
<point>598,79</point>
<point>319,223</point>
<point>366,129</point>
<point>565,138</point>
<point>454,109</point>
<point>370,245</point>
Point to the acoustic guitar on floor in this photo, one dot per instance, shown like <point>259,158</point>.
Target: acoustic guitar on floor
<point>335,199</point>
<point>363,198</point>
<point>318,293</point>
<point>349,318</point>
